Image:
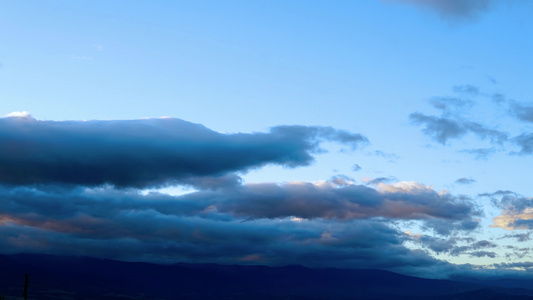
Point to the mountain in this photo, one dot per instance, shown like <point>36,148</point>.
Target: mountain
<point>85,278</point>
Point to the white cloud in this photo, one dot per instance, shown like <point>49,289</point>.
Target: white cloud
<point>18,114</point>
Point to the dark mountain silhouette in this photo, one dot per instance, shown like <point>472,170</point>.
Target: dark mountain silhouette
<point>57,277</point>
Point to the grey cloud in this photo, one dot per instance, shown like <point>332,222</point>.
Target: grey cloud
<point>379,180</point>
<point>499,193</point>
<point>462,9</point>
<point>438,245</point>
<point>509,200</point>
<point>125,224</point>
<point>442,129</point>
<point>327,201</point>
<point>523,223</point>
<point>522,112</point>
<point>481,153</point>
<point>495,136</point>
<point>482,244</point>
<point>450,245</point>
<point>147,152</point>
<point>213,182</point>
<point>521,237</point>
<point>525,265</point>
<point>525,142</point>
<point>341,180</point>
<point>444,227</point>
<point>107,213</point>
<point>466,89</point>
<point>356,167</point>
<point>483,254</point>
<point>447,104</point>
<point>516,210</point>
<point>465,180</point>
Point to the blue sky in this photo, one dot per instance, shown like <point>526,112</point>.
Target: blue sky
<point>295,132</point>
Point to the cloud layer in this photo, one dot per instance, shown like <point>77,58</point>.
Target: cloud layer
<point>78,188</point>
<point>314,224</point>
<point>149,152</point>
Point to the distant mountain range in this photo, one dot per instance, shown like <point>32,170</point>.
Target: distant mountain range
<point>84,278</point>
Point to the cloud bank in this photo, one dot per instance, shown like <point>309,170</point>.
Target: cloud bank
<point>313,224</point>
<point>79,188</point>
<point>149,152</point>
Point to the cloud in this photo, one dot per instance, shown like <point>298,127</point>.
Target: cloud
<point>522,112</point>
<point>517,211</point>
<point>105,212</point>
<point>520,237</point>
<point>465,180</point>
<point>449,104</point>
<point>525,142</point>
<point>490,254</point>
<point>455,120</point>
<point>453,9</point>
<point>224,225</point>
<point>329,201</point>
<point>332,223</point>
<point>148,152</point>
<point>466,89</point>
<point>442,129</point>
<point>391,157</point>
<point>454,245</point>
<point>18,114</point>
<point>356,168</point>
<point>528,266</point>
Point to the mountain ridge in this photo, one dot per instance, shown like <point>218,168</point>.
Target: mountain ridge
<point>69,277</point>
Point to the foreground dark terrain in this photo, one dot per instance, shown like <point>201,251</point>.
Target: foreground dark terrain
<point>54,277</point>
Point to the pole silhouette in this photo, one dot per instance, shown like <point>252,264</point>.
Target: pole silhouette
<point>26,284</point>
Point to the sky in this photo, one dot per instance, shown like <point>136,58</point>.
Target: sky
<point>389,134</point>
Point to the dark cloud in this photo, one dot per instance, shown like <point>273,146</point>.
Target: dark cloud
<point>453,9</point>
<point>329,200</point>
<point>147,152</point>
<point>520,237</point>
<point>517,252</point>
<point>443,227</point>
<point>439,245</point>
<point>451,245</point>
<point>229,224</point>
<point>509,200</point>
<point>331,223</point>
<point>465,180</point>
<point>517,265</point>
<point>483,254</point>
<point>442,129</point>
<point>522,223</point>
